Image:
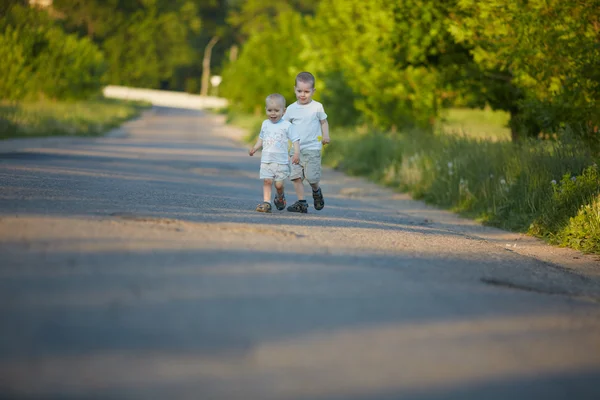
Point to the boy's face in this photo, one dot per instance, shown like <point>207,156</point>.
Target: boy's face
<point>304,92</point>
<point>275,111</point>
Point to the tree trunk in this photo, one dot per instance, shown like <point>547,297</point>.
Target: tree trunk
<point>233,53</point>
<point>206,66</point>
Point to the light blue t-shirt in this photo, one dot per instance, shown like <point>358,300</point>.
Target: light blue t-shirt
<point>275,138</point>
<point>306,120</point>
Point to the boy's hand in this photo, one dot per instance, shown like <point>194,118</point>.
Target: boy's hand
<point>326,140</point>
<point>295,159</point>
<point>252,151</point>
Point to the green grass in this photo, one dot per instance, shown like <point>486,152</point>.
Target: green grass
<point>483,124</point>
<point>546,189</point>
<point>55,118</point>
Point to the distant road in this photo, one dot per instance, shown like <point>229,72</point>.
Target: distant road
<point>166,98</point>
<point>135,267</point>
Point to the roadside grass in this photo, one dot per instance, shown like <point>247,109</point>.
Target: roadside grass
<point>57,118</point>
<point>543,188</point>
<point>476,123</point>
<point>546,189</point>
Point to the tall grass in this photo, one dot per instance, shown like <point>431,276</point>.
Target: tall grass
<point>57,118</point>
<point>548,189</point>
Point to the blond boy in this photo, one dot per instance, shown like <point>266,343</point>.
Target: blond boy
<point>274,163</point>
<point>310,123</point>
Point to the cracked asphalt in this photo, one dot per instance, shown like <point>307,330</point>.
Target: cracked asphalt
<point>133,266</point>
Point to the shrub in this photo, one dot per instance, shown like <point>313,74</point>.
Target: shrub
<point>583,230</point>
<point>44,61</point>
<point>567,198</point>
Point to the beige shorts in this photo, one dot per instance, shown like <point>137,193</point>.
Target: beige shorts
<point>275,171</point>
<point>309,167</point>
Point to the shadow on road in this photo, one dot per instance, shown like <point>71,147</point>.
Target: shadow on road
<point>137,268</point>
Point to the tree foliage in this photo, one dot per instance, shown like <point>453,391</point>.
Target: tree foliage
<point>392,55</point>
<point>268,63</point>
<point>144,41</point>
<point>40,59</point>
<point>549,48</point>
<point>387,63</point>
<point>393,63</point>
<point>251,17</point>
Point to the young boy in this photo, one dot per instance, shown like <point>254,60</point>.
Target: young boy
<point>274,161</point>
<point>310,122</point>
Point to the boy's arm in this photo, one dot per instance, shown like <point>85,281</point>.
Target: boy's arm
<point>325,131</point>
<point>257,146</point>
<point>296,156</point>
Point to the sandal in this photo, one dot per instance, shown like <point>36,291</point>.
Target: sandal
<point>318,198</point>
<point>300,207</point>
<point>280,202</point>
<point>264,207</point>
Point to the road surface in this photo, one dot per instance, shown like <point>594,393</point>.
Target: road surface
<point>134,267</point>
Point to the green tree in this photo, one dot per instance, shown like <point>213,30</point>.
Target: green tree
<point>550,51</point>
<point>273,35</point>
<point>394,56</point>
<point>40,59</point>
<point>268,63</point>
<point>250,17</point>
<point>145,41</point>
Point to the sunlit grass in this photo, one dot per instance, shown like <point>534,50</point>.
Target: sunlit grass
<point>55,118</point>
<point>476,123</point>
<point>543,188</point>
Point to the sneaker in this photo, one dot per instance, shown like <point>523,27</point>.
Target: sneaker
<point>299,206</point>
<point>280,202</point>
<point>318,198</point>
<point>264,207</point>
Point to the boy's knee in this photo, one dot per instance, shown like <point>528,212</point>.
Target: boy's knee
<point>268,181</point>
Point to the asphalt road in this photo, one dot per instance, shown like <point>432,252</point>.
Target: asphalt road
<point>135,267</point>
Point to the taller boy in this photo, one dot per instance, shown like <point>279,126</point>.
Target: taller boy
<point>310,123</point>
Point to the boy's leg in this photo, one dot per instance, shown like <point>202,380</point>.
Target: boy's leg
<point>279,196</point>
<point>299,188</point>
<point>279,188</point>
<point>282,173</point>
<point>297,176</point>
<point>267,185</point>
<point>312,171</point>
<point>267,175</point>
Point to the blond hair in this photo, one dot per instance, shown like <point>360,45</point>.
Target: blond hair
<point>275,97</point>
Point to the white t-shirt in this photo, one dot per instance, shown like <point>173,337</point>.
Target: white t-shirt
<point>275,141</point>
<point>306,120</point>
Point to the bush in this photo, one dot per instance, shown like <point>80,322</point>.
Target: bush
<point>14,68</point>
<point>44,61</point>
<point>583,230</point>
<point>566,199</point>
